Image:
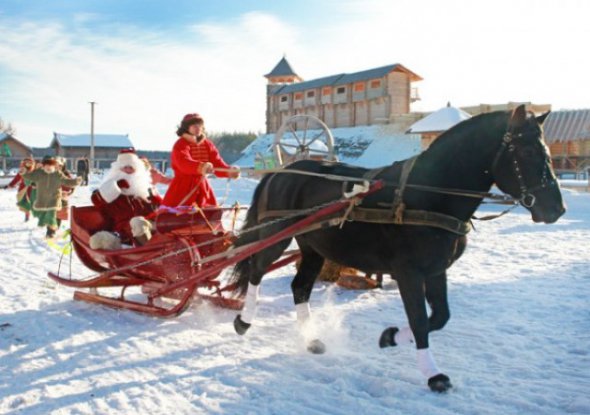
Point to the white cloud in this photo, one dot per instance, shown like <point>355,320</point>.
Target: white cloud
<point>143,84</point>
<point>144,81</point>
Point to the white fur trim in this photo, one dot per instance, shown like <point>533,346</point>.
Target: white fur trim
<point>105,240</point>
<point>140,226</point>
<point>127,158</point>
<point>426,363</point>
<point>404,336</point>
<point>109,191</point>
<point>249,311</point>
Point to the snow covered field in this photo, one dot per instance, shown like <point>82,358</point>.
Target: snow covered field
<point>517,343</point>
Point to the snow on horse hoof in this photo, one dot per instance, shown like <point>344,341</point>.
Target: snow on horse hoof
<point>387,338</point>
<point>439,383</point>
<point>240,327</point>
<point>316,347</point>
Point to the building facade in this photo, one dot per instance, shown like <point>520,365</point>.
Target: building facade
<point>374,96</point>
<point>106,147</point>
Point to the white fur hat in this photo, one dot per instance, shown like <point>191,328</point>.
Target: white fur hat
<point>127,155</point>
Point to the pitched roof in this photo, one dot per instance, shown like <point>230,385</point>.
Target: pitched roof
<point>344,78</point>
<point>283,68</point>
<point>440,120</point>
<point>100,140</point>
<point>6,136</point>
<point>567,125</point>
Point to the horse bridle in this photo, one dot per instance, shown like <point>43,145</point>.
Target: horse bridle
<point>527,197</point>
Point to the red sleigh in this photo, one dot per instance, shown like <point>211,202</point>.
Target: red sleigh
<point>186,247</point>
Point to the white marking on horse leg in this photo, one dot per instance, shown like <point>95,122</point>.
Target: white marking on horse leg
<point>404,336</point>
<point>307,328</point>
<point>303,313</point>
<point>426,363</point>
<point>249,311</point>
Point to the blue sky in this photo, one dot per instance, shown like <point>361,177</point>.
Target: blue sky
<point>147,63</point>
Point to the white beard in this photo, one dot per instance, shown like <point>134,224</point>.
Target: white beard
<point>139,182</point>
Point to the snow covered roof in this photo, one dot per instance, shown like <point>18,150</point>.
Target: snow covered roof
<point>440,120</point>
<point>366,146</point>
<point>567,125</point>
<point>100,140</point>
<point>316,148</point>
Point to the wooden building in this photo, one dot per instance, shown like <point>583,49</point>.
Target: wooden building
<point>567,133</point>
<point>12,151</point>
<point>106,147</point>
<point>373,96</point>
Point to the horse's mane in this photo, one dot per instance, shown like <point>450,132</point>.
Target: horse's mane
<point>469,128</point>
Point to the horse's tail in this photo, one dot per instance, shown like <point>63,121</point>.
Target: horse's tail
<point>243,269</point>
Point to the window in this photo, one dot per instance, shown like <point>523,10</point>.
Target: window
<point>327,90</point>
<point>376,83</point>
<point>359,87</point>
<point>298,95</point>
<point>310,94</point>
<point>341,90</point>
<point>284,98</point>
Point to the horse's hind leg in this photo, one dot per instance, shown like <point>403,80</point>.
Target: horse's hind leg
<point>301,286</point>
<point>258,264</point>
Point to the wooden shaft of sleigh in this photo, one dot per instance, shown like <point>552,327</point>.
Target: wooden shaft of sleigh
<point>272,240</point>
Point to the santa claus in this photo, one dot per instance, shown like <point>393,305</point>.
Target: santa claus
<point>125,197</point>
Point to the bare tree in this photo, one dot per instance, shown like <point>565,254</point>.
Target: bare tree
<point>6,128</point>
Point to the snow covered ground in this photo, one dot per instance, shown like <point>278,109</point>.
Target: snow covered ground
<point>517,342</point>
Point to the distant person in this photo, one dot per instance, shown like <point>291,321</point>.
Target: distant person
<point>83,169</point>
<point>49,181</point>
<point>193,157</point>
<point>24,199</point>
<point>66,191</point>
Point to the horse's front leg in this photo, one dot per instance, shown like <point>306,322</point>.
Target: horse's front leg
<point>412,290</point>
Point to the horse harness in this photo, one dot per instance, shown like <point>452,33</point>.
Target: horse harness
<point>398,214</point>
<point>527,198</point>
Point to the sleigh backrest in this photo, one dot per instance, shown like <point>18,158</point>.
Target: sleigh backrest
<point>86,221</point>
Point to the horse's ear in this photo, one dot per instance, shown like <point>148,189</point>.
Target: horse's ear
<point>518,117</point>
<point>541,118</point>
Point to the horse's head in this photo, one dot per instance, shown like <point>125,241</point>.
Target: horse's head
<point>522,167</point>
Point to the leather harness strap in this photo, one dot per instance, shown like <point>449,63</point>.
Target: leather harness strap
<point>397,215</point>
<point>411,217</point>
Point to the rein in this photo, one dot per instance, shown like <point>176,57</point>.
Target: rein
<point>502,199</point>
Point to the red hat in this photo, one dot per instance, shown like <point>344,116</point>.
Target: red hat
<point>127,155</point>
<point>193,116</point>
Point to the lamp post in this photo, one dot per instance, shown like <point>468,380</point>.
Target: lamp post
<point>92,103</point>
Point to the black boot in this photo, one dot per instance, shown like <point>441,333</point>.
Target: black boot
<point>50,233</point>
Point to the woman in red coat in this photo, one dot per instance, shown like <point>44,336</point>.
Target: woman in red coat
<point>193,157</point>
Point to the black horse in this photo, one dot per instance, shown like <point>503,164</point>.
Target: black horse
<point>429,200</point>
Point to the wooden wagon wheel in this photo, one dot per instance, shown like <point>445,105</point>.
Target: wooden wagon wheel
<point>303,137</point>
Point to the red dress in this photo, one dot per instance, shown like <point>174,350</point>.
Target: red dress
<point>189,186</point>
<point>120,211</point>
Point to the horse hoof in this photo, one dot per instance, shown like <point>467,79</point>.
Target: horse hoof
<point>240,327</point>
<point>439,383</point>
<point>387,338</point>
<point>316,347</point>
